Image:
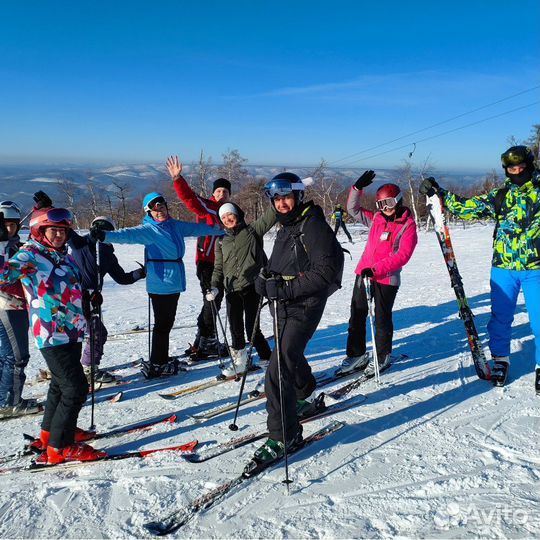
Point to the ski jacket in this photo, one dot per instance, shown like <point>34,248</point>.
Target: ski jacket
<point>11,296</point>
<point>206,211</point>
<point>164,249</point>
<point>307,254</point>
<point>390,244</point>
<point>52,285</point>
<point>83,251</point>
<point>516,245</point>
<point>339,215</point>
<point>240,253</point>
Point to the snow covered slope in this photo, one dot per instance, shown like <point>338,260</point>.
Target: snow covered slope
<point>433,452</point>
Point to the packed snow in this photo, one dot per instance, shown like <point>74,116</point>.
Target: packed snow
<point>432,452</point>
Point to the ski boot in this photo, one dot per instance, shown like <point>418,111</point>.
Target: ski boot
<point>499,371</point>
<point>23,408</point>
<point>238,363</point>
<point>152,371</point>
<point>537,381</point>
<point>210,347</point>
<point>100,376</point>
<point>310,406</point>
<point>272,450</point>
<point>73,452</point>
<point>369,372</point>
<point>193,349</point>
<point>353,363</point>
<point>37,446</point>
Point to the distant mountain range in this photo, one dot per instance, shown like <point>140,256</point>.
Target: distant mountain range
<point>19,183</point>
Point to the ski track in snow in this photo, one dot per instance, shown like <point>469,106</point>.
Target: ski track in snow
<point>433,452</point>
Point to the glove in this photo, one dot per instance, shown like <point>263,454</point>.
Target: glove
<point>97,234</point>
<point>96,299</point>
<point>364,180</point>
<point>140,273</point>
<point>260,282</point>
<point>211,294</point>
<point>42,200</point>
<point>4,235</point>
<point>429,187</point>
<point>367,273</point>
<point>278,289</point>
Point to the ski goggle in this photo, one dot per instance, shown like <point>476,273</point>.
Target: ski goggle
<point>280,188</point>
<point>513,158</point>
<point>388,203</point>
<point>10,204</point>
<point>156,203</point>
<point>59,215</point>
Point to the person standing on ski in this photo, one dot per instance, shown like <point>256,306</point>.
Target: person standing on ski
<point>515,265</point>
<point>14,355</point>
<point>164,248</point>
<point>391,242</point>
<point>339,216</point>
<point>52,286</point>
<point>206,210</point>
<point>239,258</point>
<point>304,269</point>
<point>83,250</point>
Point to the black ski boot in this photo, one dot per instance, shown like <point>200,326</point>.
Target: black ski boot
<point>499,371</point>
<point>306,407</point>
<point>537,381</point>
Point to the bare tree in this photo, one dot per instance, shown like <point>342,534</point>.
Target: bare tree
<point>233,168</point>
<point>200,173</point>
<point>68,188</point>
<point>122,194</point>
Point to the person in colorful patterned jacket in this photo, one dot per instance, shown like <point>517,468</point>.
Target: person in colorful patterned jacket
<point>14,353</point>
<point>206,210</point>
<point>391,242</point>
<point>515,207</point>
<point>164,249</point>
<point>51,284</point>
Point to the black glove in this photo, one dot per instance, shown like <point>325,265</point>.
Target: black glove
<point>96,299</point>
<point>260,282</point>
<point>141,272</point>
<point>4,235</point>
<point>429,187</point>
<point>367,272</point>
<point>364,180</point>
<point>97,234</point>
<point>278,288</point>
<point>42,200</point>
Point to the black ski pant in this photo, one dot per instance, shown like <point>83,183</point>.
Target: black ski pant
<point>297,323</point>
<point>240,304</point>
<point>164,307</point>
<point>384,296</point>
<point>205,320</point>
<point>341,224</point>
<point>67,393</point>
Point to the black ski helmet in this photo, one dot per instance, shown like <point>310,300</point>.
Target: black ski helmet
<point>516,155</point>
<point>283,184</point>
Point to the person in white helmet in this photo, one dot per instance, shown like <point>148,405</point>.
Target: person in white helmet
<point>14,355</point>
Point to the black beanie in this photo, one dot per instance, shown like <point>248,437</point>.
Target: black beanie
<point>221,182</point>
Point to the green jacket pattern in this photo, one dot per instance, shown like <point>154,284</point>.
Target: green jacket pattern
<point>516,244</point>
<point>239,254</point>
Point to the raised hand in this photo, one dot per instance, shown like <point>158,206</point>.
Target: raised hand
<point>174,166</point>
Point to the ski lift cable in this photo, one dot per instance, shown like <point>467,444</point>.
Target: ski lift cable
<point>434,125</point>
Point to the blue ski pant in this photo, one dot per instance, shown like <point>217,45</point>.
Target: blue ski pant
<point>505,287</point>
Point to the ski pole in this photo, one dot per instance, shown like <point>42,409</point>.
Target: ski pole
<point>370,300</point>
<point>287,480</point>
<point>234,426</point>
<point>215,316</point>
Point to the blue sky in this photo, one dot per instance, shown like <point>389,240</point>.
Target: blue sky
<point>285,83</point>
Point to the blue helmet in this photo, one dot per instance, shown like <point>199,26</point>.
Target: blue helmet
<point>150,198</point>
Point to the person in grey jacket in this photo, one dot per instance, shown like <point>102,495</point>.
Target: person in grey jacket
<point>239,256</point>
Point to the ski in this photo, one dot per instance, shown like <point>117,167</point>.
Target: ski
<point>131,428</point>
<point>239,442</point>
<point>342,391</point>
<point>255,395</point>
<point>436,211</point>
<point>42,467</point>
<point>203,386</point>
<point>179,518</point>
<point>144,330</point>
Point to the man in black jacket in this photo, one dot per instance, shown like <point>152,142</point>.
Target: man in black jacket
<point>83,250</point>
<point>304,269</point>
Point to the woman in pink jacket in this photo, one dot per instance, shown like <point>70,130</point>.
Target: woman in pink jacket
<point>391,242</point>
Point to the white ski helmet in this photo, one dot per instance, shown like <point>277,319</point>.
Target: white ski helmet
<point>11,210</point>
<point>104,223</point>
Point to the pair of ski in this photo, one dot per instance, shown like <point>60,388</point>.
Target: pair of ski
<point>179,518</point>
<point>323,380</point>
<point>137,428</point>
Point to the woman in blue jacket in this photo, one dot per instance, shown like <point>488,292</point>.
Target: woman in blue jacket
<point>163,238</point>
